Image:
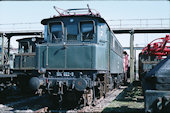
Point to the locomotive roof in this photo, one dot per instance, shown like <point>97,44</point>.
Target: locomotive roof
<point>44,21</point>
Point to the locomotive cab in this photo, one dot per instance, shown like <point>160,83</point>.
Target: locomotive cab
<point>25,59</point>
<point>70,30</point>
<point>27,45</point>
<point>73,40</point>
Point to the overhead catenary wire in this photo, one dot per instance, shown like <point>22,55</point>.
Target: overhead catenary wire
<point>114,23</point>
<point>21,23</point>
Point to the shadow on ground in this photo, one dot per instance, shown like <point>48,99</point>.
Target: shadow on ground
<point>130,100</point>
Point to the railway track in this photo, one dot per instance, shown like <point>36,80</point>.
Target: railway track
<point>99,106</point>
<point>44,103</point>
<point>25,103</point>
<point>103,102</point>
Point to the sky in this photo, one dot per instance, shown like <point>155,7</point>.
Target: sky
<point>34,11</point>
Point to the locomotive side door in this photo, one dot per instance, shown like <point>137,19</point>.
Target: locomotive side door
<point>103,39</point>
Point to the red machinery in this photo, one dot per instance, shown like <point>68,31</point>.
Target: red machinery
<point>125,61</point>
<point>158,47</point>
<point>125,65</point>
<point>154,74</point>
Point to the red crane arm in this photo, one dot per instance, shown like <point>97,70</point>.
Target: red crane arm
<point>159,48</point>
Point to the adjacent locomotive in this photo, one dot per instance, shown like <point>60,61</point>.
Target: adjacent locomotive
<point>152,54</point>
<point>154,73</point>
<point>79,60</point>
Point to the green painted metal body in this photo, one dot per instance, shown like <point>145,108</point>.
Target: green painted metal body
<point>116,63</point>
<point>72,57</point>
<point>102,53</point>
<point>25,61</point>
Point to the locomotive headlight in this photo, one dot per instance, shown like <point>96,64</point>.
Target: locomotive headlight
<point>33,39</point>
<point>65,47</point>
<point>71,20</point>
<point>42,71</point>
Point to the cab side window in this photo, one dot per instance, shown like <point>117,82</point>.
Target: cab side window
<point>56,32</point>
<point>23,47</point>
<point>87,30</point>
<point>45,33</point>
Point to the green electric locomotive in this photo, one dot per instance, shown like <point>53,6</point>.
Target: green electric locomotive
<point>80,58</point>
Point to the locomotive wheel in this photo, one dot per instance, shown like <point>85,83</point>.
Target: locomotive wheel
<point>74,98</point>
<point>90,97</point>
<point>116,82</point>
<point>105,84</point>
<point>101,90</point>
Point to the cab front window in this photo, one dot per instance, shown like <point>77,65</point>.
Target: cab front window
<point>87,30</point>
<point>72,32</point>
<point>56,32</point>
